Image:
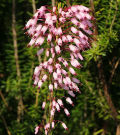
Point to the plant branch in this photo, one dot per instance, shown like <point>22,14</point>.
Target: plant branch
<point>33,6</point>
<point>101,74</point>
<point>114,17</point>
<point>3,98</point>
<point>113,70</point>
<point>93,14</point>
<point>20,102</point>
<point>105,88</point>
<point>68,3</point>
<point>6,126</point>
<point>53,3</point>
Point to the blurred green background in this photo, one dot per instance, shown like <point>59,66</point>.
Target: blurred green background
<point>97,108</point>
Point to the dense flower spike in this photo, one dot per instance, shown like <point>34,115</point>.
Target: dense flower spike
<point>67,31</point>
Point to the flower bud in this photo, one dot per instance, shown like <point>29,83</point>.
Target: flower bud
<point>60,102</point>
<point>68,99</point>
<point>53,124</point>
<point>43,105</point>
<point>57,48</point>
<point>75,80</point>
<point>64,39</point>
<point>40,84</point>
<point>50,69</point>
<point>40,52</point>
<point>36,130</point>
<point>50,61</point>
<point>47,53</point>
<point>44,78</point>
<point>54,103</point>
<point>44,29</point>
<point>57,107</point>
<point>75,63</point>
<point>54,9</point>
<point>71,93</point>
<point>69,38</point>
<point>51,87</point>
<point>59,42</point>
<point>64,125</point>
<point>39,41</point>
<point>74,30</point>
<point>49,38</point>
<point>73,48</point>
<point>55,76</point>
<point>59,31</point>
<point>52,112</point>
<point>72,71</point>
<point>55,85</point>
<point>66,112</point>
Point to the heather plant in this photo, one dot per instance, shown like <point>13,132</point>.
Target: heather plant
<point>67,32</point>
<point>21,104</point>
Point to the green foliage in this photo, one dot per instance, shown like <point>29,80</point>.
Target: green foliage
<point>91,112</point>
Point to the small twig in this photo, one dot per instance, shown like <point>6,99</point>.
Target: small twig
<point>53,3</point>
<point>94,22</point>
<point>3,98</point>
<point>34,6</point>
<point>113,70</point>
<point>6,126</point>
<point>68,3</point>
<point>109,12</point>
<point>112,61</point>
<point>114,17</point>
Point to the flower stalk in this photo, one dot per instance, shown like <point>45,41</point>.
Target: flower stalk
<point>67,32</point>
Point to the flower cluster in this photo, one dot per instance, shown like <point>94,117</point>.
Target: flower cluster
<point>67,32</point>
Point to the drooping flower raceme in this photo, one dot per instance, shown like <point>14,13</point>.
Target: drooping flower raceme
<point>67,32</point>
